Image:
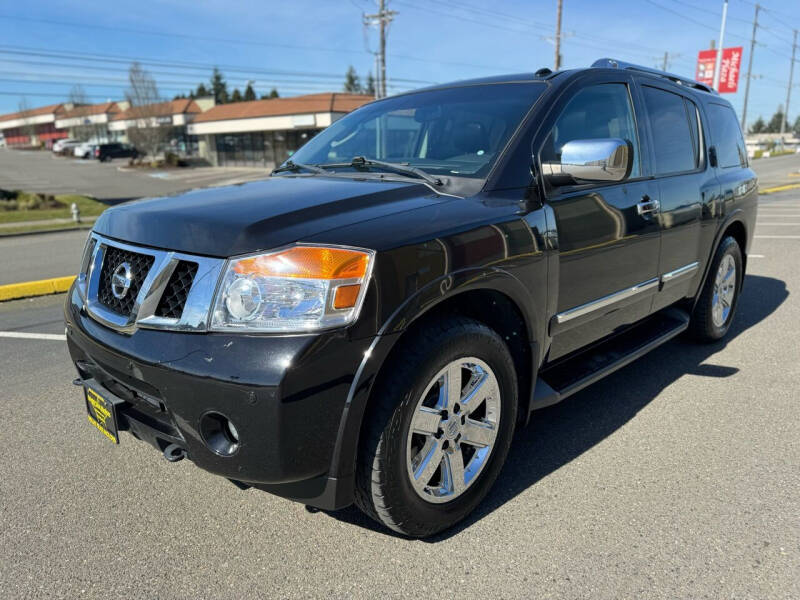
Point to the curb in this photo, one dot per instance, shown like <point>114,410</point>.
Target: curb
<point>43,287</point>
<point>779,188</point>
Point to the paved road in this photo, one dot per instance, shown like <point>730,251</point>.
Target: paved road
<point>677,477</point>
<point>41,256</point>
<point>43,172</point>
<point>776,170</point>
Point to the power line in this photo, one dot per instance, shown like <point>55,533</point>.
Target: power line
<point>206,39</point>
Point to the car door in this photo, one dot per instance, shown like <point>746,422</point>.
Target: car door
<point>608,235</point>
<point>687,187</point>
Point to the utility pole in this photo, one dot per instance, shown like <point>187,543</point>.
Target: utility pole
<point>749,70</point>
<point>557,61</point>
<point>382,18</point>
<point>666,60</point>
<point>789,89</point>
<point>718,62</point>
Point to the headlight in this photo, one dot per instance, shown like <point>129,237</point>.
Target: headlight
<point>303,288</point>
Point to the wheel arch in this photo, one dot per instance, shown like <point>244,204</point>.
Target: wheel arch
<point>735,226</point>
<point>492,296</point>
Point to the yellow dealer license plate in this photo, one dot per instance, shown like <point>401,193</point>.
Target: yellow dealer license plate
<point>102,414</point>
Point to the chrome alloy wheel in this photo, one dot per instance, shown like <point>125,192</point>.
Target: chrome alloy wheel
<point>724,291</point>
<point>453,430</point>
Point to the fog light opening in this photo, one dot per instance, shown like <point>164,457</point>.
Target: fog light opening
<point>219,434</point>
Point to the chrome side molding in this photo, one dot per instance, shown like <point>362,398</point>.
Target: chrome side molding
<point>640,288</point>
<point>681,272</point>
<point>589,307</point>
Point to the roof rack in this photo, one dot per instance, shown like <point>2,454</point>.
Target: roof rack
<point>610,63</point>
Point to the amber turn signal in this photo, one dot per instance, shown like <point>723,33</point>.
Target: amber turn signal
<point>307,262</point>
<point>346,296</point>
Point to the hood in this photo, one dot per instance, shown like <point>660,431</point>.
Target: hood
<point>260,215</point>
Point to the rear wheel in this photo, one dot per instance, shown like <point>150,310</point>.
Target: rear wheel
<point>716,306</point>
<point>440,429</point>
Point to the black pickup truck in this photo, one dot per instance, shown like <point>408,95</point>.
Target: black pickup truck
<point>371,323</point>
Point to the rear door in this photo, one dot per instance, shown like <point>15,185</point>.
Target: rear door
<point>687,187</point>
<point>608,234</point>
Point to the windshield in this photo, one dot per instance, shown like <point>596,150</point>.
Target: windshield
<point>456,131</point>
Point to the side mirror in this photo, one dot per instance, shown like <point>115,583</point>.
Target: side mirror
<point>608,159</point>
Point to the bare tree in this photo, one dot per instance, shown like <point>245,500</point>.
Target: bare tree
<point>148,111</point>
<point>28,127</point>
<point>80,108</point>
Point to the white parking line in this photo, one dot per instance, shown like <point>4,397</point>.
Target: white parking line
<point>33,336</point>
<point>756,256</point>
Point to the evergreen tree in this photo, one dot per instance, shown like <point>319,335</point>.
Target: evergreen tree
<point>201,91</point>
<point>759,126</point>
<point>236,96</point>
<point>369,85</point>
<point>249,92</point>
<point>351,81</point>
<point>796,127</point>
<point>774,125</point>
<point>219,87</point>
<point>273,93</point>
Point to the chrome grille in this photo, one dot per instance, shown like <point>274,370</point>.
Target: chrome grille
<point>139,267</point>
<point>174,298</point>
<point>167,290</point>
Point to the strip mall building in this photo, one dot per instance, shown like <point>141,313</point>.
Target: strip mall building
<point>267,132</point>
<point>257,133</point>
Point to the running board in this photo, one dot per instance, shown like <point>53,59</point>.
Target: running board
<point>566,377</point>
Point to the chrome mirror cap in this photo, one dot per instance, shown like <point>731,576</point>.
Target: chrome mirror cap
<point>607,159</point>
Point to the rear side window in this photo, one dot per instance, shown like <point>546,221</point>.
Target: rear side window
<point>727,136</point>
<point>672,127</point>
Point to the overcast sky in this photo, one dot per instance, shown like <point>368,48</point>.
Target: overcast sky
<point>302,46</point>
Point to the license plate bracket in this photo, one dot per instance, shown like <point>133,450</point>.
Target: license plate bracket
<point>102,412</point>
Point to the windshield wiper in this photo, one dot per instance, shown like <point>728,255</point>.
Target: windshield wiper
<point>360,162</point>
<point>290,165</point>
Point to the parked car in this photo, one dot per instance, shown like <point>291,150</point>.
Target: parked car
<point>85,150</point>
<point>106,152</point>
<point>66,147</point>
<point>373,322</point>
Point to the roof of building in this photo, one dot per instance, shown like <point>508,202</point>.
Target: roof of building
<point>34,112</point>
<point>274,107</point>
<point>86,110</point>
<point>162,109</point>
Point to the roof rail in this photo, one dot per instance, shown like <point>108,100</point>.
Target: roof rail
<point>610,63</point>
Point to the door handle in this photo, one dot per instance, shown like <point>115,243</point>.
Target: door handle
<point>647,206</point>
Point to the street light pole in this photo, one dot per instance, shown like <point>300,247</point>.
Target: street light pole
<point>718,62</point>
<point>557,61</point>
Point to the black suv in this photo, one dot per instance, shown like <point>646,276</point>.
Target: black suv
<point>106,152</point>
<point>371,323</point>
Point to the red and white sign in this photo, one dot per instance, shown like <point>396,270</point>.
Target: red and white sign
<point>728,69</point>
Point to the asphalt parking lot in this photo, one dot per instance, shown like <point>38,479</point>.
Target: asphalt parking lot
<point>676,477</point>
<point>45,173</point>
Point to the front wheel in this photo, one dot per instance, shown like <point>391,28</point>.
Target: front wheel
<point>440,428</point>
<point>716,305</point>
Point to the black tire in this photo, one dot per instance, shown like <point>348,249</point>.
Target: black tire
<point>702,326</point>
<point>383,487</point>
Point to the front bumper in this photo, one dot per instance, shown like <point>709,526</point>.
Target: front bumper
<point>285,394</point>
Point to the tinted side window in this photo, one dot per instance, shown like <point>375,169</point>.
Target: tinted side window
<point>598,111</point>
<point>727,136</point>
<point>672,134</point>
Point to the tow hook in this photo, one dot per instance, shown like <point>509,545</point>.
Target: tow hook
<point>174,453</point>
